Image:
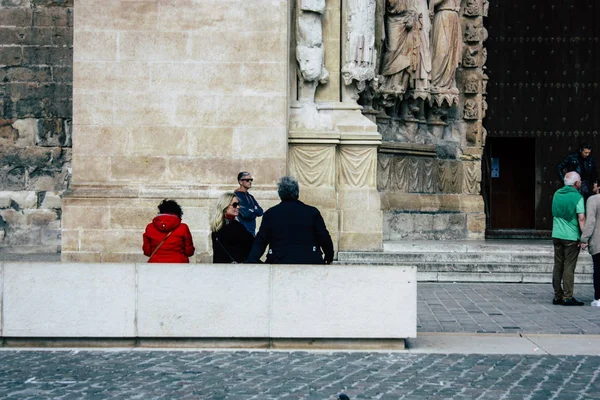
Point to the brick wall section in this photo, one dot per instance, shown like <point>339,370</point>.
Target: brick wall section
<point>36,75</point>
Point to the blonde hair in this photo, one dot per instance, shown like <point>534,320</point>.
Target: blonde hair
<point>216,221</point>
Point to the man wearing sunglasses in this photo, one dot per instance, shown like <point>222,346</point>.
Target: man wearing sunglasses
<point>249,208</point>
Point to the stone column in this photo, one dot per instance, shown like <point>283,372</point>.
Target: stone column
<point>333,146</point>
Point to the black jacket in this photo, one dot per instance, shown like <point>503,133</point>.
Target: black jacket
<point>585,167</point>
<point>232,238</point>
<point>295,234</point>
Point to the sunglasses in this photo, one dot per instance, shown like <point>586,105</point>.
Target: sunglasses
<point>235,205</point>
<point>246,180</point>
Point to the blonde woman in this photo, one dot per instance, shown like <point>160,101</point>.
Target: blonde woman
<point>231,241</point>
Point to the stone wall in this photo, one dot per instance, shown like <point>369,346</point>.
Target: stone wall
<point>36,46</point>
<point>171,100</point>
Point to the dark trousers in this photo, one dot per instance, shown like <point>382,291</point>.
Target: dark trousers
<point>565,259</point>
<point>596,259</point>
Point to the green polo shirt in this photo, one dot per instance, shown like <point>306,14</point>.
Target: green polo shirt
<point>566,204</point>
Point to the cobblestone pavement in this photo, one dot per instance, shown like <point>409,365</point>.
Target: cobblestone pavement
<point>503,308</point>
<point>265,375</point>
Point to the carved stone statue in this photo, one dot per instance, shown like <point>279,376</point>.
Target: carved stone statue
<point>406,61</point>
<point>360,54</point>
<point>446,49</point>
<point>309,49</point>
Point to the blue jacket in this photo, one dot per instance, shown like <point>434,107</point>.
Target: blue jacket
<point>249,210</point>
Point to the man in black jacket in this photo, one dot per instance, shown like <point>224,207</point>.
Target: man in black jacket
<point>294,231</point>
<point>584,164</point>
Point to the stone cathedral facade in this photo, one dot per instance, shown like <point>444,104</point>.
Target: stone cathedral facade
<point>376,106</point>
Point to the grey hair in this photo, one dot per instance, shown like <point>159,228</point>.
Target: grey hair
<point>571,178</point>
<point>288,188</point>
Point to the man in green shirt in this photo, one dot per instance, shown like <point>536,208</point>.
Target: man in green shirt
<point>568,212</point>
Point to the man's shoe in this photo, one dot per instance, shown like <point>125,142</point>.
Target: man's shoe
<point>572,302</point>
<point>596,303</point>
<point>557,301</point>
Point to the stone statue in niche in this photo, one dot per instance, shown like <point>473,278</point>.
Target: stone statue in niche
<point>406,63</point>
<point>446,50</point>
<point>309,49</point>
<point>360,54</point>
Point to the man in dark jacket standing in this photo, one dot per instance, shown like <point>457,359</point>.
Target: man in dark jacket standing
<point>584,164</point>
<point>294,231</point>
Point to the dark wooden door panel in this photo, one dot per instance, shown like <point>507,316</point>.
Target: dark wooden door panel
<point>544,83</point>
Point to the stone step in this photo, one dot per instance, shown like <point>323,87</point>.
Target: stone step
<point>453,257</point>
<point>495,277</point>
<point>523,261</point>
<point>469,246</point>
<point>486,268</point>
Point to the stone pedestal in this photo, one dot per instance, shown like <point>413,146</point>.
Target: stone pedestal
<point>337,172</point>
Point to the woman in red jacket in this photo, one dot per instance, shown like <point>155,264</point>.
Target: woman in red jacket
<point>167,239</point>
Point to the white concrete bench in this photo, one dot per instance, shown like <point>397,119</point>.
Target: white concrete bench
<point>71,300</point>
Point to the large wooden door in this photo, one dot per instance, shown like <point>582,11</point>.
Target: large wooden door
<point>544,83</point>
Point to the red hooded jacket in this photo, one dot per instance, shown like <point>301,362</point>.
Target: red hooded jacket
<point>178,246</point>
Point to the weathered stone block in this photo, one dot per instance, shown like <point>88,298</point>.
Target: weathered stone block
<point>53,56</point>
<point>143,109</point>
<point>117,15</point>
<point>96,46</point>
<point>205,140</point>
<point>70,240</point>
<point>111,241</point>
<point>52,133</point>
<point>16,16</point>
<point>57,16</point>
<point>29,108</point>
<point>360,241</point>
<point>132,218</point>
<point>269,77</point>
<point>86,217</point>
<point>52,3</point>
<point>256,111</point>
<point>93,108</point>
<point>28,74</point>
<point>159,46</point>
<point>88,168</point>
<point>138,169</point>
<point>192,110</point>
<point>19,200</point>
<point>26,130</point>
<point>51,237</point>
<point>62,37</point>
<point>102,140</point>
<point>40,218</point>
<point>57,107</point>
<point>13,218</point>
<point>63,75</point>
<point>26,36</point>
<point>11,56</point>
<point>365,221</point>
<point>50,200</point>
